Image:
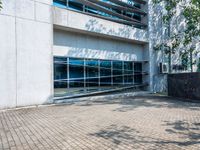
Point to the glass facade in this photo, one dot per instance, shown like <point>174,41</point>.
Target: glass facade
<point>125,12</point>
<point>60,75</point>
<point>74,76</point>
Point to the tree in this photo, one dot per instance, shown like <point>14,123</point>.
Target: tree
<point>198,67</point>
<point>172,42</point>
<point>0,4</point>
<point>187,37</point>
<point>192,32</point>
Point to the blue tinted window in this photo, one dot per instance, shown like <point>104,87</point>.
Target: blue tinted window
<point>138,67</point>
<point>105,77</point>
<point>60,60</point>
<point>76,61</point>
<point>77,75</point>
<point>128,68</point>
<point>117,64</point>
<point>128,79</point>
<point>92,73</point>
<point>106,9</point>
<point>105,73</point>
<point>105,81</point>
<point>138,79</point>
<point>76,72</point>
<point>60,3</point>
<point>118,80</point>
<point>105,64</point>
<point>78,83</point>
<point>60,71</point>
<point>75,5</point>
<point>60,84</point>
<point>91,62</point>
<point>117,73</point>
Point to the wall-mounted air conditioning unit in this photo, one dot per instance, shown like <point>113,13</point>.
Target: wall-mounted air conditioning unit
<point>163,68</point>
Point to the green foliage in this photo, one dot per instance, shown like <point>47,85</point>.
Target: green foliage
<point>170,7</point>
<point>185,60</point>
<point>198,66</point>
<point>0,4</point>
<point>191,14</point>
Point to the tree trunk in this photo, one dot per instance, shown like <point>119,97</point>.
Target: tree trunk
<point>191,62</point>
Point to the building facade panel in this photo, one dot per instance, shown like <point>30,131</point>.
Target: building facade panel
<point>43,12</point>
<point>25,9</point>
<point>72,19</point>
<point>82,45</point>
<point>49,2</point>
<point>34,61</point>
<point>7,62</point>
<point>26,53</point>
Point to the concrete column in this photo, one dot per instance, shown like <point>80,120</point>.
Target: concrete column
<point>26,61</point>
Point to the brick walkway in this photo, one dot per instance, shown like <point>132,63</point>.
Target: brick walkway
<point>113,124</point>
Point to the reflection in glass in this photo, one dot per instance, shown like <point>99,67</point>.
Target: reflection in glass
<point>60,2</point>
<point>128,79</point>
<point>117,77</point>
<point>74,5</point>
<point>138,67</point>
<point>138,79</point>
<point>117,64</point>
<point>75,75</point>
<point>60,87</point>
<point>76,83</point>
<point>81,6</point>
<point>92,73</point>
<point>76,61</point>
<point>60,60</point>
<point>128,67</point>
<point>117,73</point>
<point>105,73</point>
<point>60,71</point>
<point>92,62</point>
<point>105,64</point>
<point>76,72</point>
<point>128,73</point>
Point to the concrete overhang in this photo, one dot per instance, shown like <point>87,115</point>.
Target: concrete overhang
<point>69,20</point>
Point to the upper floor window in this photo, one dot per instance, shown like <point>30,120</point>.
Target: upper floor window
<point>121,11</point>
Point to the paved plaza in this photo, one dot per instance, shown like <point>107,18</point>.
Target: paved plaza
<point>129,123</point>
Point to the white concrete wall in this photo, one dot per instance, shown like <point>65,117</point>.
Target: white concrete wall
<point>25,52</point>
<point>86,46</point>
<point>155,36</point>
<point>72,19</point>
<point>7,62</point>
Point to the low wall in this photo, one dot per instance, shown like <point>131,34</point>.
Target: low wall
<point>184,85</point>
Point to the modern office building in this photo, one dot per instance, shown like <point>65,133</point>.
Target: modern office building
<point>55,49</point>
<point>95,47</point>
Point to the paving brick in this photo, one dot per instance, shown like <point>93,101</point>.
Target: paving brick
<point>145,122</point>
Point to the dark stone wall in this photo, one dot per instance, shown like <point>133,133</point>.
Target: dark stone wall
<point>184,85</point>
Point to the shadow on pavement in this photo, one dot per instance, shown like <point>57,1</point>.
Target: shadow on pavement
<point>129,103</point>
<point>185,130</point>
<point>126,135</point>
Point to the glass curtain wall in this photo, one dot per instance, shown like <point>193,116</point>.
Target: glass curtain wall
<point>60,75</point>
<point>74,76</point>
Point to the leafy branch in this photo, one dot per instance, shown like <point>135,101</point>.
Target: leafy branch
<point>0,5</point>
<point>186,37</point>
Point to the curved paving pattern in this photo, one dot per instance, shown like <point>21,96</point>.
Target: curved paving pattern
<point>148,122</point>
